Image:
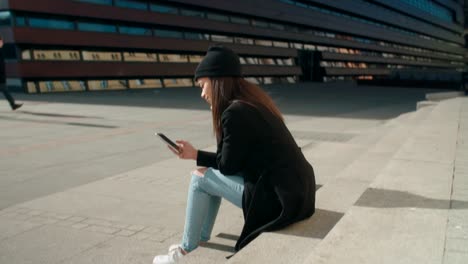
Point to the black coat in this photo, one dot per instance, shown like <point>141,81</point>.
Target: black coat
<point>2,67</point>
<point>279,183</point>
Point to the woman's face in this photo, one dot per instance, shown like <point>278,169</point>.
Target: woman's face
<point>205,85</point>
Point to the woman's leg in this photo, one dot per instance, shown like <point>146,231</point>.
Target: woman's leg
<point>7,95</point>
<point>204,198</point>
<point>210,218</point>
<point>230,188</point>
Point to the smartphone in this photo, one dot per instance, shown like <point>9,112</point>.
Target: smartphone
<point>168,141</point>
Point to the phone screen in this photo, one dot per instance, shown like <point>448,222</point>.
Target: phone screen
<point>168,141</point>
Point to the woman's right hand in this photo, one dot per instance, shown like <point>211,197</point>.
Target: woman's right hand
<point>186,150</point>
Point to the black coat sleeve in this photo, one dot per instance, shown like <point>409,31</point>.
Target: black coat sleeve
<point>233,149</point>
<point>206,159</point>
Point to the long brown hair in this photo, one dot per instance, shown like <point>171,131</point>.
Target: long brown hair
<point>226,90</point>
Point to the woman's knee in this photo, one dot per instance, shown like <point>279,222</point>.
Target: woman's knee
<point>200,172</point>
<point>198,178</point>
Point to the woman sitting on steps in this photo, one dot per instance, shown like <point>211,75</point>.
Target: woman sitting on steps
<point>257,166</point>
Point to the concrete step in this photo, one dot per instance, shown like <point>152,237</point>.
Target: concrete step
<point>220,247</point>
<point>230,220</point>
<point>345,169</point>
<point>422,104</point>
<point>294,243</point>
<point>329,153</point>
<point>439,96</point>
<point>402,216</point>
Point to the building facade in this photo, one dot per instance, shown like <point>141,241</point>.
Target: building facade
<point>87,45</point>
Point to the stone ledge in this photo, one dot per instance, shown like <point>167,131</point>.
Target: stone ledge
<point>443,96</point>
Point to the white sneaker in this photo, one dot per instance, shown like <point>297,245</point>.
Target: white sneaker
<point>175,253</point>
<point>173,247</point>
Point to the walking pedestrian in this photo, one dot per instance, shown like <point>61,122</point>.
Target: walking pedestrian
<point>3,86</point>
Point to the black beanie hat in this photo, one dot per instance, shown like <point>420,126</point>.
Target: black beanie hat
<point>219,62</point>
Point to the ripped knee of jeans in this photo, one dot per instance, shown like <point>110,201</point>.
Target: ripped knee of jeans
<point>198,178</point>
<point>200,172</point>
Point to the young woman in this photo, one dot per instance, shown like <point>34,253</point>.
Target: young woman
<point>257,166</point>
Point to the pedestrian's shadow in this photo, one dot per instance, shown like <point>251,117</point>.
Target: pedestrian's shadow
<point>56,115</point>
<point>382,198</point>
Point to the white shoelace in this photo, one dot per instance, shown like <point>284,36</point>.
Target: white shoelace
<point>175,254</point>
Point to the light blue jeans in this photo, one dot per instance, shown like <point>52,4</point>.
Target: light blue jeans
<point>204,199</point>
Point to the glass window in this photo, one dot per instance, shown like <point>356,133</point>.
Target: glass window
<point>144,83</point>
<point>283,80</point>
<point>107,85</point>
<point>240,20</point>
<point>220,38</point>
<point>31,87</point>
<point>131,4</point>
<point>343,50</point>
<point>195,58</point>
<point>139,56</point>
<point>322,48</point>
<point>267,61</point>
<point>135,30</point>
<point>185,82</point>
<point>280,44</point>
<point>163,9</point>
<point>60,86</point>
<point>276,26</point>
<point>173,58</point>
<point>168,33</point>
<point>196,36</point>
<point>253,80</point>
<point>297,45</point>
<point>218,17</point>
<point>432,8</point>
<point>26,54</point>
<point>194,13</point>
<point>101,2</point>
<point>259,23</point>
<point>288,62</point>
<point>309,47</point>
<point>51,23</point>
<point>56,55</point>
<point>291,79</point>
<point>101,56</point>
<point>20,21</point>
<point>242,60</point>
<point>263,42</point>
<point>251,60</point>
<point>291,2</point>
<point>246,41</point>
<point>291,28</point>
<point>46,87</point>
<point>5,18</point>
<point>88,26</point>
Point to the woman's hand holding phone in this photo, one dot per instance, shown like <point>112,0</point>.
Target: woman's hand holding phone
<point>183,149</point>
<point>186,150</point>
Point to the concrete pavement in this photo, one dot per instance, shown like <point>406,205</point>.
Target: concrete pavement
<point>83,179</point>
